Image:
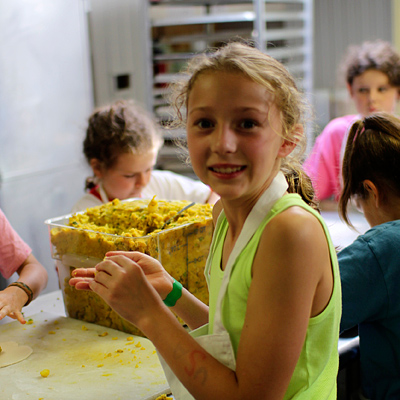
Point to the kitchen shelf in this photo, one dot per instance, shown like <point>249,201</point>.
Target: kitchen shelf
<point>182,29</point>
<point>171,32</point>
<point>282,29</point>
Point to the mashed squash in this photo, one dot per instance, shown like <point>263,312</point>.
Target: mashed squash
<point>84,238</point>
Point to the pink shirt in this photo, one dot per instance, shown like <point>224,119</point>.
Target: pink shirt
<point>324,163</point>
<point>13,250</point>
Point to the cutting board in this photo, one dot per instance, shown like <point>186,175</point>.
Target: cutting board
<point>86,361</point>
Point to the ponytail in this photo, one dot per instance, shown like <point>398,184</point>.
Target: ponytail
<point>299,182</point>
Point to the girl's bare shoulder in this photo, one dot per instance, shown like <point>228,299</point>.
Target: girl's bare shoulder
<point>295,223</point>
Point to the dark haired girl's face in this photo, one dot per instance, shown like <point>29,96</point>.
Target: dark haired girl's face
<point>128,176</point>
<point>372,92</point>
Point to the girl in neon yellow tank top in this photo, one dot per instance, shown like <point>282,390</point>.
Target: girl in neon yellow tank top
<point>272,326</point>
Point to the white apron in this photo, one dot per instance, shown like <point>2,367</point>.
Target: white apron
<point>218,344</point>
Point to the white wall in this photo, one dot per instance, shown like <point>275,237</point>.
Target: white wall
<point>45,99</point>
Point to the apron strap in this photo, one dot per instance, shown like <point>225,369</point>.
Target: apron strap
<point>263,206</point>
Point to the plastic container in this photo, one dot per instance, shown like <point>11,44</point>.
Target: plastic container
<point>182,250</point>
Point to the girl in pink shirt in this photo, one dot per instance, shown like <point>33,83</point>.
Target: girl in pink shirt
<point>372,72</point>
<point>16,256</point>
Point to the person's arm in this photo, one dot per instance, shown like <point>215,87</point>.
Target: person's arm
<point>361,276</point>
<point>13,298</point>
<point>283,291</point>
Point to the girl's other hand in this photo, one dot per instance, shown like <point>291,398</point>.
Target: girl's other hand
<point>131,283</point>
<point>12,299</point>
<point>152,269</point>
<point>81,277</point>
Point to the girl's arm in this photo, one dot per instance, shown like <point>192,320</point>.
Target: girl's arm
<point>13,298</point>
<point>292,281</point>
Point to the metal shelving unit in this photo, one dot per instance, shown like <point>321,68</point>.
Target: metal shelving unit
<point>282,29</point>
<point>139,46</point>
<point>180,29</point>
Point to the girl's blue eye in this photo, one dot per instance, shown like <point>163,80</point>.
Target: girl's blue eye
<point>204,124</point>
<point>247,124</point>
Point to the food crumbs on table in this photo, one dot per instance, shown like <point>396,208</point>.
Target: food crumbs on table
<point>106,374</point>
<point>114,338</point>
<point>107,355</point>
<point>163,397</point>
<point>45,373</point>
<point>52,333</point>
<point>30,321</point>
<point>138,344</point>
<point>143,348</point>
<point>56,322</point>
<point>119,351</point>
<point>100,365</point>
<point>1,349</point>
<point>103,334</point>
<point>137,366</point>
<point>83,366</point>
<point>129,339</point>
<point>84,328</point>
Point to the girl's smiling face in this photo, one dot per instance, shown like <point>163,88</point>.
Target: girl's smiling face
<point>233,133</point>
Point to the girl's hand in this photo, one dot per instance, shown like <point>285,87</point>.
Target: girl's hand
<point>130,282</point>
<point>12,299</point>
<point>154,271</point>
<point>81,278</point>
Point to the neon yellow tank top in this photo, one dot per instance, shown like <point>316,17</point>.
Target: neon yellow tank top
<point>315,374</point>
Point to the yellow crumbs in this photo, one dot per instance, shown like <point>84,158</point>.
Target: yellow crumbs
<point>45,373</point>
<point>103,334</point>
<point>163,397</point>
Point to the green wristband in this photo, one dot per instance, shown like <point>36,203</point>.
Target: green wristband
<point>174,295</point>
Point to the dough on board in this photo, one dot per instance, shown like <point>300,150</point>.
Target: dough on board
<point>12,353</point>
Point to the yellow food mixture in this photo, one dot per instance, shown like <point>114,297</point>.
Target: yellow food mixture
<point>182,248</point>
